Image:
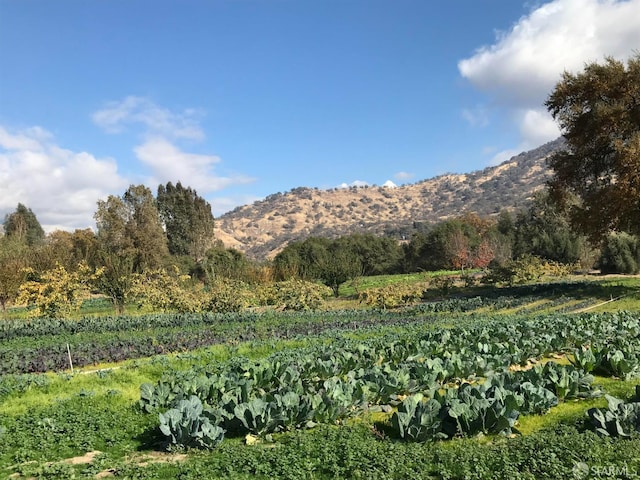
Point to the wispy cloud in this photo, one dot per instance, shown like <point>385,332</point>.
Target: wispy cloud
<point>403,176</point>
<point>476,117</point>
<point>521,68</point>
<point>116,116</point>
<point>59,185</point>
<point>161,130</point>
<point>355,183</point>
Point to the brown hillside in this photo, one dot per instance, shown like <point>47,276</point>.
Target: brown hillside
<point>263,228</point>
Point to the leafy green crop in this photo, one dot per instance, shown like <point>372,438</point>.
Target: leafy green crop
<point>620,419</point>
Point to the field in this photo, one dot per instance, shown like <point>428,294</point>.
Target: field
<point>533,382</point>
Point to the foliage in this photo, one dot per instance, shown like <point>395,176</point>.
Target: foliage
<point>187,219</point>
<point>525,269</point>
<point>186,426</point>
<point>620,419</point>
<point>130,225</point>
<point>226,295</point>
<point>167,292</point>
<point>57,292</point>
<point>13,262</point>
<point>463,242</point>
<point>297,295</point>
<point>115,277</point>
<point>394,295</point>
<point>620,254</point>
<point>23,225</point>
<point>597,110</point>
<point>544,230</point>
<point>221,262</point>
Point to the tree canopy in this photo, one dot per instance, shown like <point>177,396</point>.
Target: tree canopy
<point>598,111</point>
<point>23,225</point>
<point>187,219</point>
<point>130,226</point>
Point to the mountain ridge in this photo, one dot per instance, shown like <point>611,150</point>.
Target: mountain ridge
<point>263,228</point>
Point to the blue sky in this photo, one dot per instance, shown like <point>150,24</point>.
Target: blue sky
<point>243,98</point>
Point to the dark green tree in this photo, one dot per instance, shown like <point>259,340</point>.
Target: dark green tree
<point>338,265</point>
<point>302,259</point>
<point>187,219</point>
<point>23,225</point>
<point>598,111</point>
<point>544,230</point>
<point>221,262</point>
<point>377,255</point>
<point>620,254</point>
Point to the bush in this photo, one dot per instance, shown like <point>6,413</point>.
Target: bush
<point>526,269</point>
<point>394,295</point>
<point>298,295</point>
<point>227,296</point>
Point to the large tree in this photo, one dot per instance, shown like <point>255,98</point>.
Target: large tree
<point>130,226</point>
<point>187,219</point>
<point>23,225</point>
<point>543,230</point>
<point>598,111</point>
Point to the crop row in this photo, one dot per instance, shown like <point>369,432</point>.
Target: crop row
<point>327,383</point>
<point>156,334</point>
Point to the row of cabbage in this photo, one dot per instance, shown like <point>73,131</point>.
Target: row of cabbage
<point>444,383</point>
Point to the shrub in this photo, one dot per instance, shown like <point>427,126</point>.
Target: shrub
<point>227,296</point>
<point>299,295</point>
<point>394,295</point>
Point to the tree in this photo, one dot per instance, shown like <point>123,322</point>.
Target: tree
<point>130,226</point>
<point>544,230</point>
<point>187,219</point>
<point>620,254</point>
<point>24,225</point>
<point>115,277</point>
<point>598,111</point>
<point>13,262</point>
<point>339,264</point>
<point>224,262</point>
<point>377,255</point>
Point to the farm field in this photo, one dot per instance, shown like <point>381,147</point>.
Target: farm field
<point>533,381</point>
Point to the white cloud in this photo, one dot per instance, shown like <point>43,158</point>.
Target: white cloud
<point>170,164</point>
<point>355,183</point>
<point>156,120</point>
<point>537,127</point>
<point>60,186</point>
<point>389,184</point>
<point>524,64</point>
<point>503,156</point>
<point>403,176</point>
<point>159,150</point>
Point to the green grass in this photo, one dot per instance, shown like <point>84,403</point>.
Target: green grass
<point>351,288</point>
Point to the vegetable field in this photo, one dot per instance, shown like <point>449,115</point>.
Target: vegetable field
<point>484,385</point>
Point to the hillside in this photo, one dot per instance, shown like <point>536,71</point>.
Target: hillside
<point>263,228</point>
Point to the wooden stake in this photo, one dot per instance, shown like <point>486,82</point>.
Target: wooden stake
<point>69,353</point>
